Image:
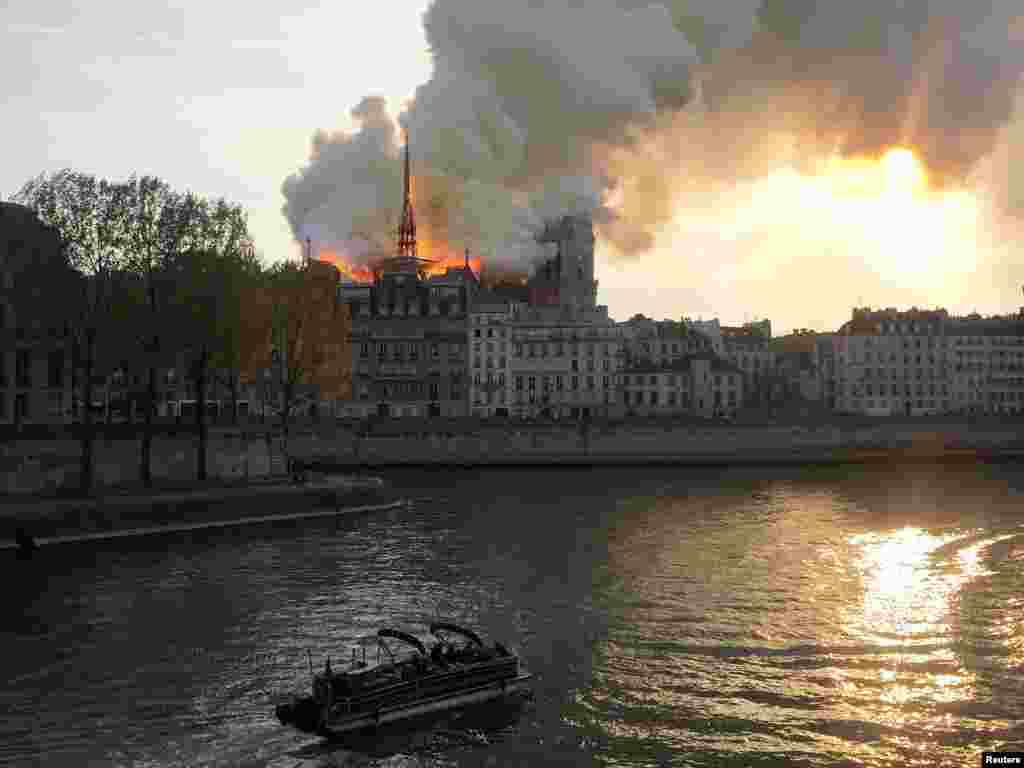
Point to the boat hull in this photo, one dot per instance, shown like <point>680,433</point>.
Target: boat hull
<point>338,722</point>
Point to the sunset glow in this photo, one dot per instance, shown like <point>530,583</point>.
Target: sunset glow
<point>880,213</point>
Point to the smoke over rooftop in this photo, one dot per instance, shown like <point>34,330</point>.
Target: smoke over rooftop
<point>541,108</point>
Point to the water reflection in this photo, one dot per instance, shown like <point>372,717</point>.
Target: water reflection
<point>745,617</point>
<point>759,613</point>
<point>905,598</point>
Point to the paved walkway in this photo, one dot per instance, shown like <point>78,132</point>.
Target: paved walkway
<point>206,524</point>
<point>130,510</point>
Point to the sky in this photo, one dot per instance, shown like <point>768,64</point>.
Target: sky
<point>225,98</point>
<point>220,98</point>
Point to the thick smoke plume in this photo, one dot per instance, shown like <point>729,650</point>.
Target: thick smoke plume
<point>623,108</point>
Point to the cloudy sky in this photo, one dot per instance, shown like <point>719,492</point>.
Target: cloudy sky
<point>219,97</point>
<point>738,154</point>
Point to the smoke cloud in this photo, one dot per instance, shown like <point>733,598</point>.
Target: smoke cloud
<point>630,108</point>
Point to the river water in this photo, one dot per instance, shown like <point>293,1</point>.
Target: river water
<point>835,617</point>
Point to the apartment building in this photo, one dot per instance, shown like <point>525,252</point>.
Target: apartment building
<point>891,362</point>
<point>699,385</point>
<point>35,360</point>
<point>409,341</point>
<point>748,347</point>
<point>926,362</point>
<point>987,363</point>
<point>662,341</point>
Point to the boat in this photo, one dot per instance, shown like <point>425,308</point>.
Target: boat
<point>458,670</point>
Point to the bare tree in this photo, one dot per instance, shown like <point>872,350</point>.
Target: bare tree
<point>87,289</point>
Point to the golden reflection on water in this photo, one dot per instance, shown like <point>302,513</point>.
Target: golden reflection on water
<point>908,590</point>
<point>775,613</point>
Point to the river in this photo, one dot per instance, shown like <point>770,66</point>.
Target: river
<point>733,617</point>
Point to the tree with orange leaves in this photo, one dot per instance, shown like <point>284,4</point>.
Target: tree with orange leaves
<point>295,338</point>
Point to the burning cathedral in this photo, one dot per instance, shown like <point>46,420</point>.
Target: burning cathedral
<point>418,348</point>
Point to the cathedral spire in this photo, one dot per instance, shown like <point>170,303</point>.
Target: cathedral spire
<point>407,229</point>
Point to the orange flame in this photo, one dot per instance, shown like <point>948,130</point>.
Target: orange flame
<point>357,273</point>
<point>363,273</point>
<point>431,240</point>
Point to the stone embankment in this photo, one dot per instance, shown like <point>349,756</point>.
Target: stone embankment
<point>45,466</point>
<point>114,515</point>
<point>681,445</point>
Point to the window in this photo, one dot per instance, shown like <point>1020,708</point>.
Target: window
<point>590,382</point>
<point>23,368</point>
<point>519,383</point>
<point>575,383</point>
<point>56,369</point>
<point>364,349</point>
<point>434,390</point>
<point>382,350</point>
<point>21,411</point>
<point>575,365</point>
<point>559,383</point>
<point>532,382</point>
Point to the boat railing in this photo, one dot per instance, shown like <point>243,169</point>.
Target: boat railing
<point>433,682</point>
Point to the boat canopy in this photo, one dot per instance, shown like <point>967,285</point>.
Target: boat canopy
<point>469,634</point>
<point>404,637</point>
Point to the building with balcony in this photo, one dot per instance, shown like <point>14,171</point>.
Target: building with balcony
<point>926,361</point>
<point>698,385</point>
<point>409,342</point>
<point>748,347</point>
<point>556,354</point>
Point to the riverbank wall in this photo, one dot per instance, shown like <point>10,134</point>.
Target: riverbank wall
<point>673,444</point>
<point>47,467</point>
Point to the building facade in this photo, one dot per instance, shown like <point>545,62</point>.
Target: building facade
<point>557,354</point>
<point>562,364</point>
<point>926,362</point>
<point>894,363</point>
<point>699,385</point>
<point>748,347</point>
<point>409,343</point>
<point>35,361</point>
